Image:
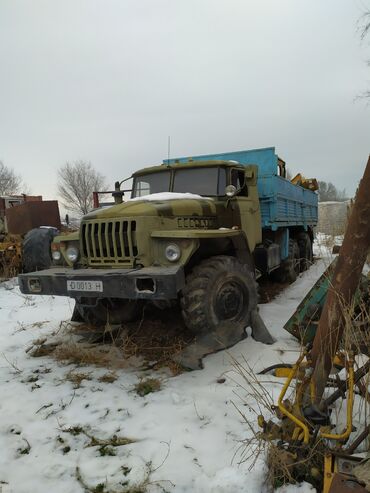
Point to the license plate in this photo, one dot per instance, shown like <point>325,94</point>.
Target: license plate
<point>90,286</point>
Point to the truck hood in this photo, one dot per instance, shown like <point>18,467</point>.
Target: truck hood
<point>162,205</point>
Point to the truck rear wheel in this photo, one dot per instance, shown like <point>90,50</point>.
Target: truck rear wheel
<point>305,251</point>
<point>219,289</point>
<point>290,267</point>
<point>113,311</point>
<point>36,251</point>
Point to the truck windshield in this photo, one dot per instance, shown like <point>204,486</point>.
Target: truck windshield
<point>202,181</point>
<point>151,183</point>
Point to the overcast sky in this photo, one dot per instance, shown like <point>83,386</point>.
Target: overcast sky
<point>109,80</point>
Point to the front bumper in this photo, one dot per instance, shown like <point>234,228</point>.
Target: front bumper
<point>150,283</point>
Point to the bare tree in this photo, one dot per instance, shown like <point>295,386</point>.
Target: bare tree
<point>329,192</point>
<point>77,182</point>
<point>10,182</point>
<point>364,26</point>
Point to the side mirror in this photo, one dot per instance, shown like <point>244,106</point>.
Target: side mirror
<point>230,190</point>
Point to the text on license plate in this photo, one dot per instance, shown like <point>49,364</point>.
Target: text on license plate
<point>92,286</point>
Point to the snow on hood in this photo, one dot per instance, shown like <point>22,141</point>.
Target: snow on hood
<point>154,197</point>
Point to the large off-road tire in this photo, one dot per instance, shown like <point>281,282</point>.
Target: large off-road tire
<point>290,267</point>
<point>218,290</point>
<point>36,251</point>
<point>109,311</point>
<point>305,251</point>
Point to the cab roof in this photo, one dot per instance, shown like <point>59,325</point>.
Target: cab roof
<point>188,164</point>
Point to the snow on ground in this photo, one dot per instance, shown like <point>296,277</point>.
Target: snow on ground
<point>186,436</point>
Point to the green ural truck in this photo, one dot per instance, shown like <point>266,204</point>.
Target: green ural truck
<point>196,231</point>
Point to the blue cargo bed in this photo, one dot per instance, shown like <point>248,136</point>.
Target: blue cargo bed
<point>282,203</point>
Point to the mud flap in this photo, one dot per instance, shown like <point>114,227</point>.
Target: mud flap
<point>260,332</point>
<point>76,316</point>
<point>224,337</point>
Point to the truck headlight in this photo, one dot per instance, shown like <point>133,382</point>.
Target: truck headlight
<point>56,254</point>
<point>55,251</point>
<point>172,252</point>
<point>72,254</point>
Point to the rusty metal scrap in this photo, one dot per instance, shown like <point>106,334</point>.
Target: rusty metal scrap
<point>32,214</point>
<point>345,280</point>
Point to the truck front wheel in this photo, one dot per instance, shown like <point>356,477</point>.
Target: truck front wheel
<point>111,311</point>
<point>219,289</point>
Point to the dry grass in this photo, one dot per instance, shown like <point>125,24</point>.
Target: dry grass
<point>289,464</point>
<point>147,386</point>
<point>157,338</point>
<point>109,377</point>
<point>77,378</point>
<point>113,441</point>
<point>357,323</point>
<point>150,343</point>
<point>254,394</point>
<point>88,354</point>
<point>356,341</point>
<point>39,351</point>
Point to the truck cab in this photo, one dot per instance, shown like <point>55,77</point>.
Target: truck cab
<point>185,203</point>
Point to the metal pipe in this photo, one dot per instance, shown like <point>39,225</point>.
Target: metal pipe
<point>361,437</point>
<point>360,373</point>
<point>346,433</point>
<point>96,200</point>
<point>284,410</point>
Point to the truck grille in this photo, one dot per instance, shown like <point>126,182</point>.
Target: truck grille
<point>109,242</point>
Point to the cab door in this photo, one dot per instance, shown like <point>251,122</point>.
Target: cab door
<point>245,204</point>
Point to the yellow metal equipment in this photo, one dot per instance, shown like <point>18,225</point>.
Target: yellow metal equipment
<point>309,183</point>
<point>293,410</point>
<point>299,436</point>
